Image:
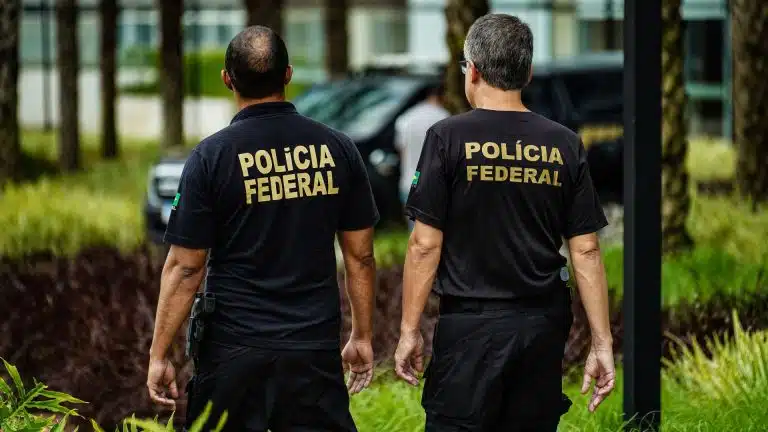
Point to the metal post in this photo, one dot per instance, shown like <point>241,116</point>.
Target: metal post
<point>46,15</point>
<point>642,213</point>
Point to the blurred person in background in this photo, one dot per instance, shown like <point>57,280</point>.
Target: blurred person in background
<point>266,196</point>
<point>495,192</point>
<point>410,129</point>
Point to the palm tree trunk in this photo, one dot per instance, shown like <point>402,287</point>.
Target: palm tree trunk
<point>675,192</point>
<point>336,47</point>
<point>68,64</point>
<point>459,15</point>
<point>9,97</point>
<point>109,12</point>
<point>268,13</point>
<point>750,97</point>
<point>172,72</point>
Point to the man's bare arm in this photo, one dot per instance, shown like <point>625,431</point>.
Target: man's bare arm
<point>593,286</point>
<point>360,276</point>
<point>421,260</point>
<point>182,274</point>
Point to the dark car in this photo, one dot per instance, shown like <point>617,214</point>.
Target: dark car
<point>583,93</point>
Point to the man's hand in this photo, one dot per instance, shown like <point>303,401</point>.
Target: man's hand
<point>599,367</point>
<point>161,382</point>
<point>358,358</point>
<point>409,356</point>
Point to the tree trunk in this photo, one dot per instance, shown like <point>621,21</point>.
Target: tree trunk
<point>172,72</point>
<point>9,97</point>
<point>750,97</point>
<point>109,11</point>
<point>336,36</point>
<point>675,192</point>
<point>459,15</point>
<point>268,13</point>
<point>69,64</point>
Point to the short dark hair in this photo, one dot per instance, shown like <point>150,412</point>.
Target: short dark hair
<point>256,61</point>
<point>501,48</point>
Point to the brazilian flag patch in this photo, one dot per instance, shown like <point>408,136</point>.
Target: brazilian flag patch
<point>415,178</point>
<point>175,201</point>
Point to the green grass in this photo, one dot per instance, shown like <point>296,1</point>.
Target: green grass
<point>696,276</point>
<point>726,392</point>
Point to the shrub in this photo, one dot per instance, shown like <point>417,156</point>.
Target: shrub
<point>710,159</point>
<point>52,216</point>
<point>734,374</point>
<point>20,407</point>
<point>73,323</point>
<point>146,425</point>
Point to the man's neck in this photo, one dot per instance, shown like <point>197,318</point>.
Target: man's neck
<point>499,100</point>
<point>244,103</point>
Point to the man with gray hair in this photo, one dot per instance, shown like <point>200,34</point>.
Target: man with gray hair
<point>495,192</point>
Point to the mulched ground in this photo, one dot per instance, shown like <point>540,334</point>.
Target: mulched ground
<point>84,325</point>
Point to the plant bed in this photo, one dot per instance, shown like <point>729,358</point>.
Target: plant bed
<point>84,324</point>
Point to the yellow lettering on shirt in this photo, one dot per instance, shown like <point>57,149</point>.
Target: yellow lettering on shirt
<point>284,174</point>
<point>520,162</point>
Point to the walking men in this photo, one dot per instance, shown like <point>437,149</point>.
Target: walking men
<point>495,191</point>
<point>263,200</point>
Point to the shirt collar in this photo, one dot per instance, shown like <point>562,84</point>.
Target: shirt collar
<point>264,109</point>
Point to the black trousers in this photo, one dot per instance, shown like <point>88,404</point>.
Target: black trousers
<point>497,366</point>
<point>280,391</point>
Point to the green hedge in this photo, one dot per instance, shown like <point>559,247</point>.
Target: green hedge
<point>208,82</point>
<point>103,204</point>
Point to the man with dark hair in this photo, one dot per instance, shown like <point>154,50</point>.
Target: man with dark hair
<point>266,196</point>
<point>495,192</point>
<point>410,130</point>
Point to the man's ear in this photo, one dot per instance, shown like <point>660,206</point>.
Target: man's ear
<point>227,80</point>
<point>474,74</point>
<point>288,74</point>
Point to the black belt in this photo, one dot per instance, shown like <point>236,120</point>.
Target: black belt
<point>453,304</point>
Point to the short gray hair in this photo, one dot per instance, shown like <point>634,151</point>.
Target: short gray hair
<point>501,48</point>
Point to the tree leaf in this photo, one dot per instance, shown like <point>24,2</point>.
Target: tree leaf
<point>96,427</point>
<point>146,425</point>
<point>5,389</point>
<point>14,373</point>
<point>60,425</point>
<point>222,422</point>
<point>197,425</point>
<point>61,397</point>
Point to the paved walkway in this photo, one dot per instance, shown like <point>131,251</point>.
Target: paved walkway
<point>139,117</point>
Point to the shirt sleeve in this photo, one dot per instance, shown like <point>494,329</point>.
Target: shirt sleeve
<point>585,213</point>
<point>191,223</point>
<point>359,209</point>
<point>428,198</point>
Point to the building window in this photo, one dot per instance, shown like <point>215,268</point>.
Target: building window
<point>596,35</point>
<point>144,34</point>
<point>389,33</point>
<point>224,33</point>
<point>305,39</point>
<point>704,51</point>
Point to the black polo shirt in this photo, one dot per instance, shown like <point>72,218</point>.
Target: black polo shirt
<point>267,195</point>
<point>505,188</point>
